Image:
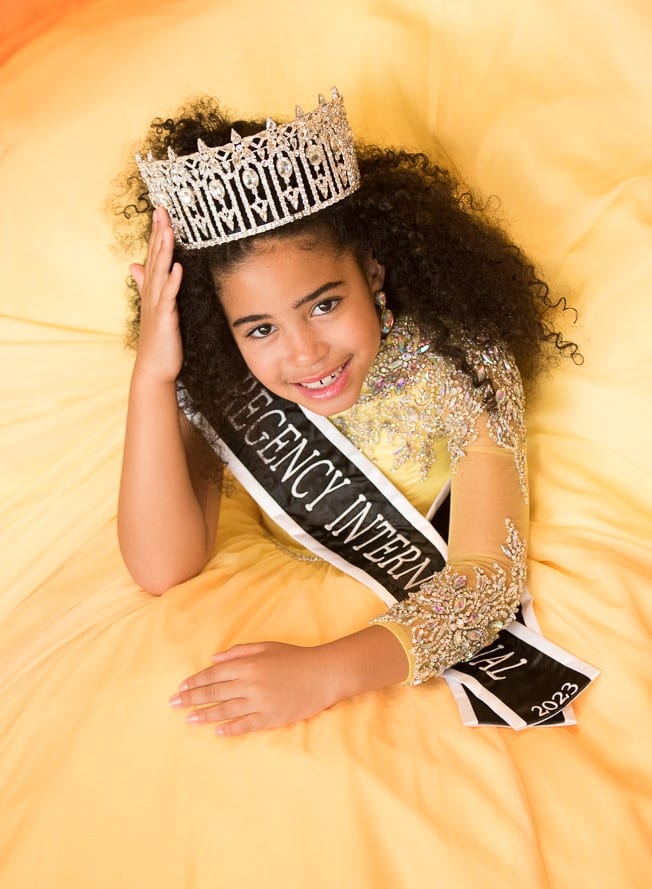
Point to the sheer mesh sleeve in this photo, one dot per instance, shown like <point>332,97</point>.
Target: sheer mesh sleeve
<point>464,607</point>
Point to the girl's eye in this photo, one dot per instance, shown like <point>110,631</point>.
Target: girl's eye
<point>325,306</point>
<point>260,332</point>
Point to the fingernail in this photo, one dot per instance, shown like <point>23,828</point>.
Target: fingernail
<point>192,718</point>
<point>219,731</point>
<point>175,701</point>
<point>183,686</point>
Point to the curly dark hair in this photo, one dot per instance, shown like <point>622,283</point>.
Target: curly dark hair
<point>448,265</point>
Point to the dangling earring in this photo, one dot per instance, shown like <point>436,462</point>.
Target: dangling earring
<point>386,317</point>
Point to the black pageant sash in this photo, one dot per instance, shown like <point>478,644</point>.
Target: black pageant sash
<point>317,486</point>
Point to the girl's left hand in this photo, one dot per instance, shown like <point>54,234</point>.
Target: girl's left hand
<point>259,686</point>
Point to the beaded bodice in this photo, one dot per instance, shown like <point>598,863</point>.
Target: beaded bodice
<point>413,398</point>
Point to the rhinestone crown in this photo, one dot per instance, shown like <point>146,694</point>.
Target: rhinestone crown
<point>256,183</point>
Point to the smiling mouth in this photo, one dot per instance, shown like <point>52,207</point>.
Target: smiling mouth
<point>324,381</point>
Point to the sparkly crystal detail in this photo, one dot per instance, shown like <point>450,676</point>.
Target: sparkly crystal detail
<point>314,155</point>
<point>284,167</point>
<point>452,616</point>
<point>256,183</point>
<point>396,405</point>
<point>217,190</point>
<point>250,178</point>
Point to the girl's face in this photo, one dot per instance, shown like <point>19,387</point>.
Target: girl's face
<point>304,320</point>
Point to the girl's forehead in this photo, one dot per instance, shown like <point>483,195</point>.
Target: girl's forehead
<point>313,243</point>
<point>296,252</point>
<point>287,274</point>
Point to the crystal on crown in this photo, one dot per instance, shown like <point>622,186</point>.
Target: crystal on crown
<point>256,183</point>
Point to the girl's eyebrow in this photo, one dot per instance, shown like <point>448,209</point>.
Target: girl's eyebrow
<point>249,319</point>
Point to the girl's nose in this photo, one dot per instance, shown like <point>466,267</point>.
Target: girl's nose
<point>305,348</point>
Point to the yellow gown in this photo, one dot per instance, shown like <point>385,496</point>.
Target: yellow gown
<point>106,785</point>
<point>101,785</point>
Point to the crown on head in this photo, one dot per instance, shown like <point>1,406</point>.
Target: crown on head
<point>256,183</point>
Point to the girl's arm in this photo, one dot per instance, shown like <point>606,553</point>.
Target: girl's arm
<point>167,510</point>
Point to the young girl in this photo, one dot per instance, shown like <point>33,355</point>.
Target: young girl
<point>344,328</point>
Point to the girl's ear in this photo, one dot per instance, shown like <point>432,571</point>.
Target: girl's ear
<point>375,273</point>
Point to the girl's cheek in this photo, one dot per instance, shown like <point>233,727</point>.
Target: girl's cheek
<point>252,361</point>
<point>243,349</point>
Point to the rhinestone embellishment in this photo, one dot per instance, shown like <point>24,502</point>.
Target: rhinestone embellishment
<point>405,366</point>
<point>452,616</point>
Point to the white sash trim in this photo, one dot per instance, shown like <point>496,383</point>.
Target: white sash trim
<point>288,524</point>
<point>386,487</point>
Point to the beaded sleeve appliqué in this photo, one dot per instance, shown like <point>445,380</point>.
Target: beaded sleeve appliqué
<point>412,397</point>
<point>451,618</point>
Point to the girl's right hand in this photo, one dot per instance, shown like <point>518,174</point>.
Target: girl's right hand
<point>160,352</point>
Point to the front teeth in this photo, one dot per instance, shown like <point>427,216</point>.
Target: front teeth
<point>326,381</point>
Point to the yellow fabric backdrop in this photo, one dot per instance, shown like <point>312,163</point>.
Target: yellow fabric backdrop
<point>547,104</point>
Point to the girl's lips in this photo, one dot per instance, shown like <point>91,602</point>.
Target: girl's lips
<point>322,382</point>
<point>328,386</point>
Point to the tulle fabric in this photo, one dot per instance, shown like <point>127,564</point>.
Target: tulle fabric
<point>127,791</point>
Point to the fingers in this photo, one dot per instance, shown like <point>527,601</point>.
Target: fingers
<point>220,671</point>
<point>220,703</point>
<point>172,284</point>
<point>207,693</point>
<point>234,718</point>
<point>222,693</point>
<point>235,708</point>
<point>223,671</point>
<point>154,242</point>
<point>238,651</point>
<point>242,726</point>
<point>137,272</point>
<point>158,276</point>
<point>159,257</point>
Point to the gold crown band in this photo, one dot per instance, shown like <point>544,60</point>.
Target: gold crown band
<point>256,183</point>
